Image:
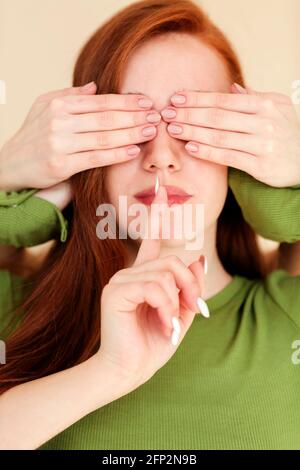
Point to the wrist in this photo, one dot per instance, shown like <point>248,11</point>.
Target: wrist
<point>109,381</point>
<point>5,183</point>
<point>60,194</point>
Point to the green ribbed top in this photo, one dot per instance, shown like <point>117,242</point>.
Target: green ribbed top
<point>233,383</point>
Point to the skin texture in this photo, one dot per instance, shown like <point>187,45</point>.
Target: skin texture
<point>160,68</point>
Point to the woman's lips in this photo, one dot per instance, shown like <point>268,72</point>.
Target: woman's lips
<point>175,194</point>
<point>172,199</point>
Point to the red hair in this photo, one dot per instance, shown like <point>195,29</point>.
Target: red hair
<point>60,315</point>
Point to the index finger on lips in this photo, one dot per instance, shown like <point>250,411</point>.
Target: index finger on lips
<point>150,247</point>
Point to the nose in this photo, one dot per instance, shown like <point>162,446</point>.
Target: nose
<point>163,153</point>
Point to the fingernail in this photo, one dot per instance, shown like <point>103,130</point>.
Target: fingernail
<point>153,117</point>
<point>175,129</point>
<point>176,331</point>
<point>203,260</point>
<point>156,184</point>
<point>191,147</point>
<point>87,86</point>
<point>133,150</point>
<point>202,305</point>
<point>175,338</point>
<point>148,131</point>
<point>176,324</point>
<point>145,103</point>
<point>168,113</point>
<point>240,88</point>
<point>178,99</point>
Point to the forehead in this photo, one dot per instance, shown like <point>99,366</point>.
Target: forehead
<point>172,61</point>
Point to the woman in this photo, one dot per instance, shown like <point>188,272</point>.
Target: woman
<point>139,378</point>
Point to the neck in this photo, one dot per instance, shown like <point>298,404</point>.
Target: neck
<point>215,279</point>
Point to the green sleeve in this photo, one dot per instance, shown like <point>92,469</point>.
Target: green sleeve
<point>11,293</point>
<point>274,213</point>
<point>282,289</point>
<point>27,220</point>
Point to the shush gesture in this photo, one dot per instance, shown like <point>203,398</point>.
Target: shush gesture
<point>146,309</point>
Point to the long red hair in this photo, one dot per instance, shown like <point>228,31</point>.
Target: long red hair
<point>59,318</point>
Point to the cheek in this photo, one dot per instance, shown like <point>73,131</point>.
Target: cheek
<point>213,187</point>
<point>116,181</point>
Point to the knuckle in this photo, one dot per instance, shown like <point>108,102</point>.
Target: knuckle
<point>136,117</point>
<point>269,127</point>
<point>128,100</point>
<point>187,115</point>
<point>268,145</point>
<point>54,144</point>
<point>218,139</point>
<point>102,140</point>
<point>55,166</point>
<point>166,276</point>
<point>105,119</point>
<point>56,104</point>
<point>104,100</point>
<point>267,104</point>
<point>208,152</point>
<point>215,116</point>
<point>221,99</point>
<point>55,124</point>
<point>227,157</point>
<point>94,158</point>
<point>133,134</point>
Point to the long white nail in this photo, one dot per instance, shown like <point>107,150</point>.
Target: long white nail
<point>203,307</point>
<point>175,338</point>
<point>176,324</point>
<point>156,184</point>
<point>176,331</point>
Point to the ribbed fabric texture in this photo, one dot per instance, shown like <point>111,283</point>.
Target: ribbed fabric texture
<point>273,212</point>
<point>27,220</point>
<point>231,384</point>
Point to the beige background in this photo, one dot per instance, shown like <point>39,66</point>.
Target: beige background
<point>39,41</point>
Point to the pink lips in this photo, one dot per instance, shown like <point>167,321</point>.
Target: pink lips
<point>176,195</point>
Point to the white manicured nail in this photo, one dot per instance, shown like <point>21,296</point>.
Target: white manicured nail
<point>176,331</point>
<point>175,338</point>
<point>203,307</point>
<point>156,184</point>
<point>176,324</point>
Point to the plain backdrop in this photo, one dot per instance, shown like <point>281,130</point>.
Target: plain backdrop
<point>40,40</point>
